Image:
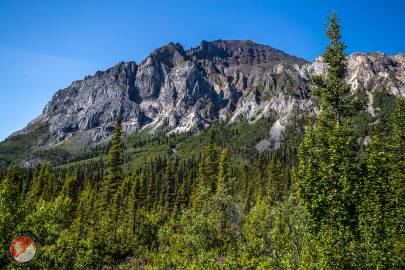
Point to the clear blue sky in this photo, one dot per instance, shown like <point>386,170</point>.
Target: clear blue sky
<point>45,45</point>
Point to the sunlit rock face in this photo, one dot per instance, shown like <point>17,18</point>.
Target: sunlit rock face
<point>185,90</point>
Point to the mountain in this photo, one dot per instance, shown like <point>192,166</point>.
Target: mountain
<point>179,90</point>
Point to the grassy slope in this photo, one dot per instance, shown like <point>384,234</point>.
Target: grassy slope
<point>16,149</point>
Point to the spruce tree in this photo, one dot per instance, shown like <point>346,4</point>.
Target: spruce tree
<point>170,186</point>
<point>225,215</point>
<point>328,172</point>
<point>260,175</point>
<point>209,164</point>
<point>333,90</point>
<point>85,216</point>
<point>119,212</point>
<point>182,197</point>
<point>115,160</point>
<point>41,185</point>
<point>107,202</point>
<point>141,189</point>
<point>151,193</point>
<point>133,203</point>
<point>207,175</point>
<point>70,186</point>
<point>276,186</point>
<point>224,174</point>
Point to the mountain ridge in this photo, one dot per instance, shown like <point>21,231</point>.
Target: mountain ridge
<point>185,90</point>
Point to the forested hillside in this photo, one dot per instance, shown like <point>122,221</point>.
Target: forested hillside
<point>330,197</point>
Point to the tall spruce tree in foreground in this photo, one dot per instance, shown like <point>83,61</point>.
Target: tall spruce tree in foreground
<point>328,172</point>
<point>337,100</point>
<point>115,161</point>
<point>107,201</point>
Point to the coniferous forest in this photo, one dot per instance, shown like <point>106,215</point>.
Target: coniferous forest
<point>326,199</point>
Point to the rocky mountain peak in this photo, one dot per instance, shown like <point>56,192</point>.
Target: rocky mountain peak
<point>181,90</point>
<point>169,55</point>
<point>241,52</point>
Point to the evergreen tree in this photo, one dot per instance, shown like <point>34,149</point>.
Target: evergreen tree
<point>141,189</point>
<point>41,185</point>
<point>225,214</point>
<point>335,93</point>
<point>207,175</point>
<point>209,166</point>
<point>152,190</point>
<point>48,181</point>
<point>182,197</point>
<point>133,203</point>
<point>329,174</point>
<point>122,218</point>
<point>170,186</point>
<point>277,186</point>
<point>70,186</point>
<point>224,174</point>
<point>115,161</point>
<point>260,178</point>
<point>85,216</point>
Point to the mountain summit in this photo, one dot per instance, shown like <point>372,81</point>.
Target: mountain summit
<point>179,90</point>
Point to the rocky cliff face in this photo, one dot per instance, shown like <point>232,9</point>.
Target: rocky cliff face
<point>178,90</point>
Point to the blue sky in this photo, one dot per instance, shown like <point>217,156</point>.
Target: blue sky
<point>45,45</point>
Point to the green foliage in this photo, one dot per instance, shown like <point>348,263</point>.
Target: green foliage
<point>115,161</point>
<point>384,104</point>
<point>10,210</point>
<point>337,100</point>
<point>211,201</point>
<point>180,213</point>
<point>169,191</point>
<point>15,149</point>
<point>352,205</point>
<point>46,222</point>
<point>273,236</point>
<point>42,186</point>
<point>381,211</point>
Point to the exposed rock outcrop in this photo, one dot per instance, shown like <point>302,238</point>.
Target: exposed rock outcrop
<point>179,90</point>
